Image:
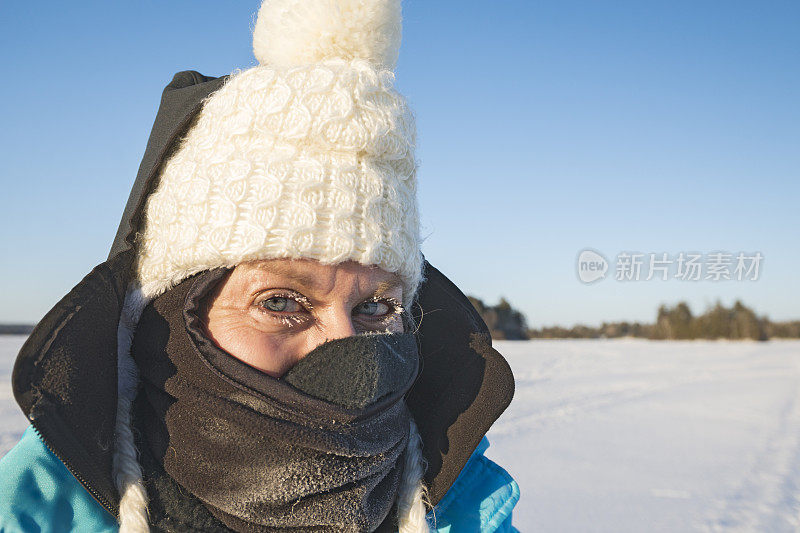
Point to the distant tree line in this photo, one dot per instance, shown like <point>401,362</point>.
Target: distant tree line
<point>672,323</point>
<point>504,321</point>
<point>16,329</point>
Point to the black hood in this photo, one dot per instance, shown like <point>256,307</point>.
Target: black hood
<point>65,376</point>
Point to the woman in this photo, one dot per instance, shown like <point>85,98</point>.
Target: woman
<point>266,347</point>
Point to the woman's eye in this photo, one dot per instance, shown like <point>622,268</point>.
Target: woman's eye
<point>372,308</point>
<point>280,304</point>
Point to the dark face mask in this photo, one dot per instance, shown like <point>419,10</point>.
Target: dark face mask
<point>320,449</point>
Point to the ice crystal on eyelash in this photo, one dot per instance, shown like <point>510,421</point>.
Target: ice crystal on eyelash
<point>396,304</point>
<point>303,300</point>
<point>296,296</point>
<point>288,319</point>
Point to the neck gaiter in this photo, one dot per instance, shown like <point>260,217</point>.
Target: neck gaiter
<point>320,449</point>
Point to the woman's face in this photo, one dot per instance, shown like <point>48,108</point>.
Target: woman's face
<point>271,313</point>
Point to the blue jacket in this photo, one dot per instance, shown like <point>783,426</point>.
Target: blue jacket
<point>38,494</point>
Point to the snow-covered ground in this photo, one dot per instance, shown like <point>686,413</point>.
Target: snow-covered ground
<point>632,435</point>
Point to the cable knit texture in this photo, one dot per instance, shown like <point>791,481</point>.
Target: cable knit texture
<point>312,157</point>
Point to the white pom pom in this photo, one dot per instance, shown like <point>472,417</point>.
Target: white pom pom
<point>301,32</point>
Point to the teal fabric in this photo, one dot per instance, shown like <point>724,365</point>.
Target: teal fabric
<point>481,499</point>
<point>38,494</point>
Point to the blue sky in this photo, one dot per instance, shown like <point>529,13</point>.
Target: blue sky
<point>544,128</point>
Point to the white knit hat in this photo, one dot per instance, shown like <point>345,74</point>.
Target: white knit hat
<point>310,154</point>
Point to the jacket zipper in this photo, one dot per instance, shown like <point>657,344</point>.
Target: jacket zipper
<point>96,495</point>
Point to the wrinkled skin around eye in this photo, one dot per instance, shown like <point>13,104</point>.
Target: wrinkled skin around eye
<point>271,313</point>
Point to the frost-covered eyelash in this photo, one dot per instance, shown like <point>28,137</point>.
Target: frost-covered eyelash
<point>289,320</point>
<point>385,321</point>
<point>394,303</point>
<point>293,319</point>
<point>286,319</point>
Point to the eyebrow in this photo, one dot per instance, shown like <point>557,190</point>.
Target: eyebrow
<point>386,286</point>
<point>291,272</point>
